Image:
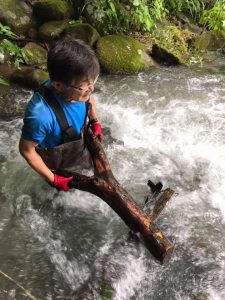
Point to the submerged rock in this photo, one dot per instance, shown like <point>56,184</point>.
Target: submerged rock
<point>210,40</point>
<point>29,77</point>
<point>52,30</point>
<point>34,54</point>
<point>53,9</point>
<point>17,15</point>
<point>13,103</point>
<point>83,31</point>
<point>201,296</point>
<point>122,54</point>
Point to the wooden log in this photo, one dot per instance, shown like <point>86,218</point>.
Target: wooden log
<point>158,205</point>
<point>104,185</point>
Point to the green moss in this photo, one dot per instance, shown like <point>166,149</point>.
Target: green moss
<point>85,32</point>
<point>122,54</point>
<point>174,42</point>
<point>30,78</point>
<point>210,40</point>
<point>53,9</point>
<point>34,54</point>
<point>16,15</point>
<point>52,30</point>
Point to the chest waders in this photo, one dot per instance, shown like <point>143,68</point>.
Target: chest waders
<point>71,155</point>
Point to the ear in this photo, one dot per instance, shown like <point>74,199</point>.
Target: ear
<point>58,86</point>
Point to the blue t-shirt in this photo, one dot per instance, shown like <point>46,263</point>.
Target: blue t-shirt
<point>40,124</point>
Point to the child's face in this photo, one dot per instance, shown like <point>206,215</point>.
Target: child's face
<point>79,91</point>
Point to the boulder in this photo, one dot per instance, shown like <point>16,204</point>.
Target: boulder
<point>172,45</point>
<point>52,30</point>
<point>210,40</point>
<point>83,31</point>
<point>121,54</point>
<point>34,54</point>
<point>17,15</point>
<point>163,55</point>
<point>53,9</point>
<point>29,77</point>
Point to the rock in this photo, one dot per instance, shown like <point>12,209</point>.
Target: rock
<point>29,77</point>
<point>83,31</point>
<point>34,54</point>
<point>78,6</point>
<point>202,296</point>
<point>187,23</point>
<point>17,15</point>
<point>210,40</point>
<point>122,54</point>
<point>223,49</point>
<point>13,103</point>
<point>172,45</point>
<point>32,33</point>
<point>53,9</point>
<point>162,55</point>
<point>52,30</point>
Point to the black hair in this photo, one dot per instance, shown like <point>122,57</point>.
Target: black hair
<point>70,60</point>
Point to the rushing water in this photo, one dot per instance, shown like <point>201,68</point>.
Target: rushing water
<point>168,125</point>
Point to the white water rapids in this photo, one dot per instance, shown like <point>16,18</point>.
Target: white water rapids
<point>166,126</point>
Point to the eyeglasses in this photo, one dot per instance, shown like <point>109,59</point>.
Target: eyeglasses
<point>84,89</point>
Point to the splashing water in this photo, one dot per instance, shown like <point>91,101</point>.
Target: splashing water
<point>167,126</point>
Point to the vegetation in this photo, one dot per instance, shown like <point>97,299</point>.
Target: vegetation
<point>214,18</point>
<point>7,48</point>
<point>143,15</point>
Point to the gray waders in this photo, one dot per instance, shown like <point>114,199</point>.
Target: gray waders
<point>71,156</point>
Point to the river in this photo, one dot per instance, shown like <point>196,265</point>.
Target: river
<point>166,126</point>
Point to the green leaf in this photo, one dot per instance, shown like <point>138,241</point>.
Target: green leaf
<point>3,81</point>
<point>136,2</point>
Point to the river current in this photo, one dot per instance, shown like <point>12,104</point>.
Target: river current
<point>168,126</point>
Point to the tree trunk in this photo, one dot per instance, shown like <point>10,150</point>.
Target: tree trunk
<point>104,185</point>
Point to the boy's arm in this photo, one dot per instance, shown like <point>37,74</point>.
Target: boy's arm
<point>27,150</point>
<point>95,124</point>
<point>93,111</point>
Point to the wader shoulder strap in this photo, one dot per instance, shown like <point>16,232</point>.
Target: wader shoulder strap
<point>68,132</point>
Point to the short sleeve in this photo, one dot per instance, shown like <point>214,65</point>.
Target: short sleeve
<point>37,120</point>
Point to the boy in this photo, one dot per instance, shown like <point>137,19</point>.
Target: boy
<point>52,137</point>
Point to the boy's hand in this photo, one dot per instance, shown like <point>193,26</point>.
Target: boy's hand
<point>62,182</point>
<point>97,130</point>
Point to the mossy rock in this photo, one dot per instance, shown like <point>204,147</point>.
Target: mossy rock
<point>52,30</point>
<point>53,9</point>
<point>17,15</point>
<point>34,54</point>
<point>162,55</point>
<point>172,45</point>
<point>119,54</point>
<point>83,31</point>
<point>29,77</point>
<point>210,40</point>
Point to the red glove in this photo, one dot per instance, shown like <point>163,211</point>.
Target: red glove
<point>97,130</point>
<point>61,182</point>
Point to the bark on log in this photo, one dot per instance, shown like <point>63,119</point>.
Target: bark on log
<point>104,185</point>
